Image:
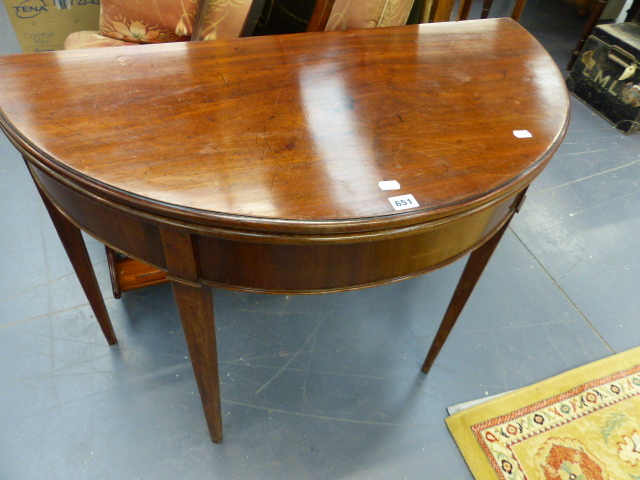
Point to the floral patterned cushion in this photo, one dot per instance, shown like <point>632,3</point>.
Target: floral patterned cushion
<point>225,19</point>
<point>125,22</point>
<point>352,14</point>
<point>147,21</point>
<point>87,39</point>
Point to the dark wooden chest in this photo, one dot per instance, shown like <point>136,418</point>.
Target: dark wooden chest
<point>607,74</point>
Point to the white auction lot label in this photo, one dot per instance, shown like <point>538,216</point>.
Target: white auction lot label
<point>403,202</point>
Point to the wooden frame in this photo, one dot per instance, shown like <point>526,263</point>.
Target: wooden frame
<point>465,7</point>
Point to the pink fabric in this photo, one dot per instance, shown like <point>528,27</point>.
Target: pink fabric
<point>147,21</point>
<point>132,22</point>
<point>353,14</point>
<point>225,19</point>
<point>87,39</point>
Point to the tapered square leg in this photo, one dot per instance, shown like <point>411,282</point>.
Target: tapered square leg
<point>195,304</point>
<point>71,238</point>
<point>470,275</point>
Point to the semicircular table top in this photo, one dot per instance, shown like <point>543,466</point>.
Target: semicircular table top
<point>299,131</point>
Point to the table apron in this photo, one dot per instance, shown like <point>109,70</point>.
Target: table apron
<point>278,263</point>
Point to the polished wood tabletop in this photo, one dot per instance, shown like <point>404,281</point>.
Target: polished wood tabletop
<point>257,163</point>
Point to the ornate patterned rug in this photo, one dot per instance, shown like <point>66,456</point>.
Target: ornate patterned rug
<point>581,425</point>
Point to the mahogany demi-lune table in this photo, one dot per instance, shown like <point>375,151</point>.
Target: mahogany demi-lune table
<point>302,163</point>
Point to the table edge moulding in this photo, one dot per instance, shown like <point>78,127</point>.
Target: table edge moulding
<point>255,164</point>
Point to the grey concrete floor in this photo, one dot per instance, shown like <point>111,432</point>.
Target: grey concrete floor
<point>315,387</point>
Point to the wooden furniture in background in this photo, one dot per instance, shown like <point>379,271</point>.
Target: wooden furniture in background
<point>434,11</point>
<point>267,178</point>
<point>594,16</point>
<point>582,6</point>
<point>465,7</point>
<point>442,10</point>
<point>320,15</point>
<point>331,15</point>
<point>633,14</point>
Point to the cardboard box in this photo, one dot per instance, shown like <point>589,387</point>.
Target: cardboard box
<point>42,25</point>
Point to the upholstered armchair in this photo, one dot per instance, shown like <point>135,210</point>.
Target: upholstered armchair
<point>354,14</point>
<point>135,22</point>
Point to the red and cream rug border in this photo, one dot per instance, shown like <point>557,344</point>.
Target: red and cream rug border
<point>488,433</point>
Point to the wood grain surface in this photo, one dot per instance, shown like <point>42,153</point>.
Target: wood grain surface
<point>298,129</point>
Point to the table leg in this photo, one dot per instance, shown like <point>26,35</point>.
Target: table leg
<point>465,7</point>
<point>595,15</point>
<point>517,9</point>
<point>486,6</point>
<point>470,275</point>
<point>633,12</point>
<point>441,10</point>
<point>195,304</point>
<point>71,238</point>
<point>320,16</point>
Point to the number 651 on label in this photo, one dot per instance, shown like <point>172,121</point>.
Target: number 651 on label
<point>403,202</point>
